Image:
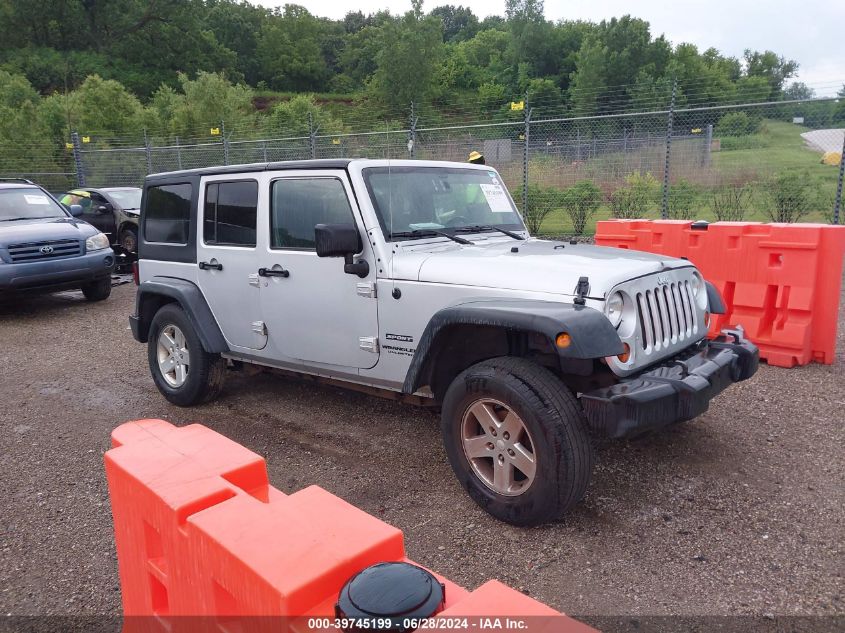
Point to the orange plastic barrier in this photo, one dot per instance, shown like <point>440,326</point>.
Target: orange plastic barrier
<point>781,282</point>
<point>200,532</point>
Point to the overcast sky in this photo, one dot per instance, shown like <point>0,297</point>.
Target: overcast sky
<point>811,31</point>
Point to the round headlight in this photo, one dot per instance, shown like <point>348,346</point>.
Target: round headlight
<point>614,307</point>
<point>698,290</point>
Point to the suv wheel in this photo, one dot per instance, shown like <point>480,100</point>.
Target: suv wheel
<point>129,240</point>
<point>97,290</point>
<point>517,440</point>
<point>183,371</point>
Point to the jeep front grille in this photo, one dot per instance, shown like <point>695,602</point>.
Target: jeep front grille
<point>38,251</point>
<point>667,315</point>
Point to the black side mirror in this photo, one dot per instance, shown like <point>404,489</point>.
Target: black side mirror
<point>341,240</point>
<point>75,210</point>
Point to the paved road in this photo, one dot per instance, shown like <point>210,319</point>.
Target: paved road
<point>739,512</point>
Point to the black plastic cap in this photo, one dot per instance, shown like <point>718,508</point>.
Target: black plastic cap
<point>390,591</point>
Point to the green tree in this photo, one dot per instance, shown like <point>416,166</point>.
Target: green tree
<point>289,51</point>
<point>459,23</point>
<point>774,68</point>
<point>291,118</point>
<point>407,62</point>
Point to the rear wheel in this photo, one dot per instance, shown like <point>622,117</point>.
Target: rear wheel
<point>97,290</point>
<point>182,370</point>
<point>517,440</point>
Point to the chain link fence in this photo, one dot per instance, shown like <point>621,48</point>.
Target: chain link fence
<point>774,161</point>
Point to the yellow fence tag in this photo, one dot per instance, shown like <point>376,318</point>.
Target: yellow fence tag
<point>517,105</point>
<point>215,131</point>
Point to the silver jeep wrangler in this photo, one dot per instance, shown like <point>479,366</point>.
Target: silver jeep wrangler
<point>418,278</point>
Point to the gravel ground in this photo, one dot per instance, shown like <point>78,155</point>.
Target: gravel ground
<point>738,513</point>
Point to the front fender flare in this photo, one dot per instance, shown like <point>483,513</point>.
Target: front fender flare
<point>592,334</point>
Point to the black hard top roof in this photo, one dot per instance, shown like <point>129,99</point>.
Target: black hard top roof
<point>320,163</point>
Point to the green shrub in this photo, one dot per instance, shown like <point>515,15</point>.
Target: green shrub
<point>541,202</point>
<point>580,202</point>
<point>682,198</point>
<point>730,202</point>
<point>634,199</point>
<point>789,196</point>
<point>737,124</point>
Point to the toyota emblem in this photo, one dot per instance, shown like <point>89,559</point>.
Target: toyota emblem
<point>46,249</point>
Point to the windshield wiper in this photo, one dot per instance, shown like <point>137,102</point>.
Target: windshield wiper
<point>430,233</point>
<point>477,228</point>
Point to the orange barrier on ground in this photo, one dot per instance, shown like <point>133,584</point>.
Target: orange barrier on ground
<point>781,282</point>
<point>199,531</point>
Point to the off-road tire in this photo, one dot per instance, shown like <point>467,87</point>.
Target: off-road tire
<point>97,290</point>
<point>555,421</point>
<point>206,372</point>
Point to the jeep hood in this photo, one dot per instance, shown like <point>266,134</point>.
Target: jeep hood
<point>44,230</point>
<point>532,265</point>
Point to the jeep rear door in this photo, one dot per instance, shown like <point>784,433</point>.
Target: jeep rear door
<point>314,311</point>
<point>227,259</point>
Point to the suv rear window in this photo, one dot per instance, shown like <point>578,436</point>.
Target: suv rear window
<point>230,213</point>
<point>167,213</point>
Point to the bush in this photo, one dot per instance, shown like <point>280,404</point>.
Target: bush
<point>581,201</point>
<point>737,124</point>
<point>682,198</point>
<point>789,197</point>
<point>541,202</point>
<point>730,202</point>
<point>634,199</point>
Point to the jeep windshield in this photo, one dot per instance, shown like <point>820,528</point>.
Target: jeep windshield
<point>28,203</point>
<point>416,202</point>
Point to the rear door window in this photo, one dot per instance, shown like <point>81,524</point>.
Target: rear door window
<point>229,215</point>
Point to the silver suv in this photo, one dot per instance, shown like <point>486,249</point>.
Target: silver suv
<point>418,279</point>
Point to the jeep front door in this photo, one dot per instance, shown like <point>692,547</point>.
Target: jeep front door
<point>314,311</point>
<point>226,257</point>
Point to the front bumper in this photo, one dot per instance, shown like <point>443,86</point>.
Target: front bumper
<point>50,275</point>
<point>678,389</point>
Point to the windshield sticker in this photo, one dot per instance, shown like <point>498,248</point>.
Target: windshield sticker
<point>497,199</point>
<point>36,199</point>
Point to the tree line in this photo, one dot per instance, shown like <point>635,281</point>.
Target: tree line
<point>149,55</point>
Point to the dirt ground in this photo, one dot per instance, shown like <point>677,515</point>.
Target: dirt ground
<point>740,512</point>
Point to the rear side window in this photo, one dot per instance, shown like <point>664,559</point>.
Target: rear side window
<point>167,214</point>
<point>299,204</point>
<point>230,213</point>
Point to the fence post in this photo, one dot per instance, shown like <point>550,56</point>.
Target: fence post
<point>148,152</point>
<point>412,132</point>
<point>526,134</point>
<point>837,207</point>
<point>708,145</point>
<point>225,142</point>
<point>264,147</point>
<point>178,154</point>
<point>312,135</point>
<point>664,211</point>
<point>77,159</point>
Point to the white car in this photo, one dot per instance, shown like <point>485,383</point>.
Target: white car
<point>419,278</point>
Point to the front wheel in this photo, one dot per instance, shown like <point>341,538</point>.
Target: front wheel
<point>97,290</point>
<point>182,370</point>
<point>517,440</point>
<point>129,240</point>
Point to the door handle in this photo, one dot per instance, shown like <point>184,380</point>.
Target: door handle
<point>269,272</point>
<point>207,266</point>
